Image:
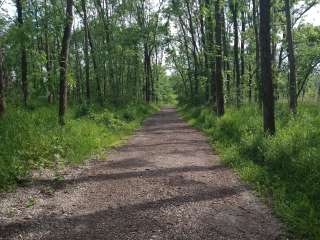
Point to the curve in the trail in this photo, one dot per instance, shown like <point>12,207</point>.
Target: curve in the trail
<point>166,183</point>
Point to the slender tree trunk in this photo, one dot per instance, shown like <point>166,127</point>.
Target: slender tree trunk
<point>211,61</point>
<point>23,52</point>
<point>2,96</point>
<point>205,49</point>
<point>185,41</point>
<point>48,56</point>
<point>78,69</point>
<point>147,73</point>
<point>95,68</point>
<point>86,49</point>
<point>194,51</point>
<point>234,9</point>
<point>250,83</point>
<point>219,57</point>
<point>292,61</point>
<point>258,68</point>
<point>243,30</point>
<point>318,92</point>
<point>226,50</point>
<point>64,62</point>
<point>266,67</point>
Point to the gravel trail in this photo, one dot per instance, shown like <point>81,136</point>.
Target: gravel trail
<point>165,183</point>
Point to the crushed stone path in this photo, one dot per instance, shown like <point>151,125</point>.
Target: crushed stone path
<point>165,183</point>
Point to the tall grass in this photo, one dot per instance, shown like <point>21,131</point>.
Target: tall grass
<point>32,139</point>
<point>284,168</point>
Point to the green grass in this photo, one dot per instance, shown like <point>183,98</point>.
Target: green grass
<point>33,140</point>
<point>284,169</point>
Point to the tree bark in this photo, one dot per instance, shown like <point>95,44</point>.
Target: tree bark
<point>64,62</point>
<point>23,53</point>
<point>86,49</point>
<point>258,68</point>
<point>194,51</point>
<point>243,30</point>
<point>210,49</point>
<point>219,57</point>
<point>234,9</point>
<point>78,69</point>
<point>266,67</point>
<point>292,61</point>
<point>95,67</point>
<point>226,50</point>
<point>185,43</point>
<point>2,96</point>
<point>250,83</point>
<point>205,49</point>
<point>48,56</point>
<point>318,92</point>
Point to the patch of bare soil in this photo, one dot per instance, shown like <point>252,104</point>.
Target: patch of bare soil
<point>166,183</point>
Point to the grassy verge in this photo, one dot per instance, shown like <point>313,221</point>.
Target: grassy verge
<point>33,140</point>
<point>284,169</point>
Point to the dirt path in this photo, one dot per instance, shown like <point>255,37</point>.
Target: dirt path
<point>166,183</point>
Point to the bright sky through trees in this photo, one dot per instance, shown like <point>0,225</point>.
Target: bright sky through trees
<point>312,16</point>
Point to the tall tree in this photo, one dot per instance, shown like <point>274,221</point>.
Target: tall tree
<point>64,61</point>
<point>219,57</point>
<point>210,49</point>
<point>226,51</point>
<point>86,48</point>
<point>48,55</point>
<point>234,6</point>
<point>292,61</point>
<point>2,97</point>
<point>266,67</point>
<point>257,41</point>
<point>23,52</point>
<point>242,51</point>
<point>194,49</point>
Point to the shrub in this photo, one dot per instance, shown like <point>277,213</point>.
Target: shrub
<point>34,140</point>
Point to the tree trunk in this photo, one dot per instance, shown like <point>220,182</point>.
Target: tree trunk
<point>48,56</point>
<point>205,49</point>
<point>219,57</point>
<point>2,97</point>
<point>86,49</point>
<point>64,61</point>
<point>258,68</point>
<point>266,67</point>
<point>185,41</point>
<point>194,52</point>
<point>147,73</point>
<point>226,50</point>
<point>250,83</point>
<point>23,52</point>
<point>78,69</point>
<point>234,9</point>
<point>292,62</point>
<point>243,30</point>
<point>211,60</point>
<point>318,92</point>
<point>95,68</point>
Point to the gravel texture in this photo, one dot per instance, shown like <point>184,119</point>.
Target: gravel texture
<point>165,183</point>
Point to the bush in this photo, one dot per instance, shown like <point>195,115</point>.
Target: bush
<point>34,140</point>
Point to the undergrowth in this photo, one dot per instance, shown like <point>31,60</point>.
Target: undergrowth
<point>284,169</point>
<point>33,140</point>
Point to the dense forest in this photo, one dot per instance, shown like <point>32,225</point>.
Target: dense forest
<point>77,76</point>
